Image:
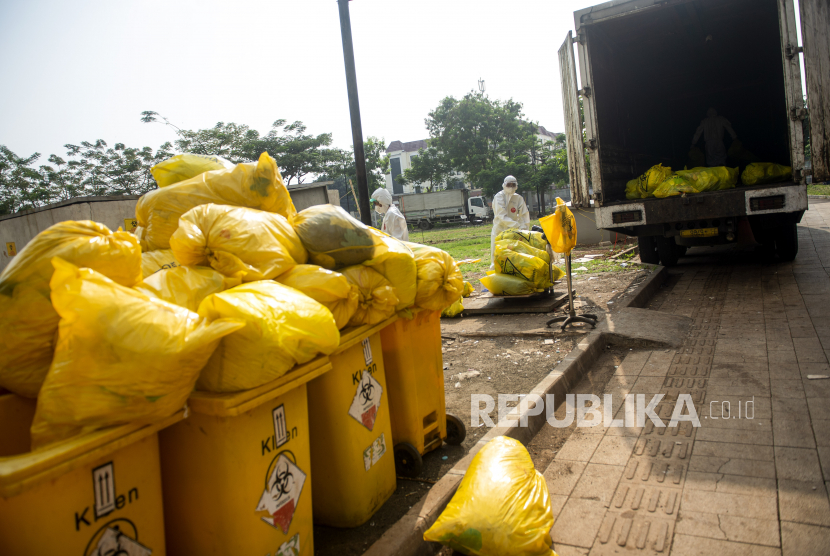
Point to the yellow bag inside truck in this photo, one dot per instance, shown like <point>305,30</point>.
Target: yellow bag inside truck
<point>502,506</point>
<point>333,238</point>
<point>250,244</point>
<point>27,319</point>
<point>643,186</point>
<point>765,172</point>
<point>185,286</point>
<point>440,283</point>
<point>377,297</point>
<point>327,287</point>
<point>121,356</point>
<point>185,166</point>
<point>283,327</point>
<point>254,185</point>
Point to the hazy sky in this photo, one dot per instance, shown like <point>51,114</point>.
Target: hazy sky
<point>84,70</point>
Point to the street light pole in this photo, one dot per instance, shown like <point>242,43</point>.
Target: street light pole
<point>354,110</point>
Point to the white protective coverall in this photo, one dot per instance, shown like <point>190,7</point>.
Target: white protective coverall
<point>394,223</point>
<point>509,212</point>
<point>712,128</point>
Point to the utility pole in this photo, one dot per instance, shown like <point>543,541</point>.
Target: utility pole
<point>354,110</point>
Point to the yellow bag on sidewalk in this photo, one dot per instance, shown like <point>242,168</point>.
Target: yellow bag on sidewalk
<point>502,284</point>
<point>333,238</point>
<point>644,186</point>
<point>522,265</point>
<point>27,319</point>
<point>121,357</point>
<point>153,261</point>
<point>534,239</point>
<point>765,172</point>
<point>560,228</point>
<point>283,328</point>
<point>377,300</point>
<point>185,286</point>
<point>395,262</point>
<point>502,506</point>
<point>237,241</point>
<point>185,166</point>
<point>440,283</point>
<point>327,287</point>
<point>522,247</point>
<point>254,185</point>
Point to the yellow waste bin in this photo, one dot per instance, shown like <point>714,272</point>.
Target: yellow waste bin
<point>348,415</point>
<point>99,493</point>
<point>414,367</point>
<point>237,472</point>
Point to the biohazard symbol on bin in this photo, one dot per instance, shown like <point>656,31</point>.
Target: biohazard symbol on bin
<point>283,485</point>
<point>366,400</point>
<point>118,537</point>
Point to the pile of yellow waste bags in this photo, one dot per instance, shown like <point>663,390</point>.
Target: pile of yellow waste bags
<point>223,287</point>
<point>765,172</point>
<point>522,264</point>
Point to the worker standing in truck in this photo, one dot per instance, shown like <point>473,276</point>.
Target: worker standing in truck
<point>712,128</point>
<point>509,212</point>
<point>394,223</point>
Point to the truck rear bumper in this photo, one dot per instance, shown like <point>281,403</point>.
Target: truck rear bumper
<point>741,201</point>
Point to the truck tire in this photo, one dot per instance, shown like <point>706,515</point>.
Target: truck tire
<point>424,224</point>
<point>648,250</point>
<point>667,250</point>
<point>786,242</point>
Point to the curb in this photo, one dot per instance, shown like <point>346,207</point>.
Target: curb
<point>405,538</point>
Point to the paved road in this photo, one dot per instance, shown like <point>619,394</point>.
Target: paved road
<point>732,486</point>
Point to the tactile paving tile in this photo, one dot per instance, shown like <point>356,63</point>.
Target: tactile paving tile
<point>630,532</point>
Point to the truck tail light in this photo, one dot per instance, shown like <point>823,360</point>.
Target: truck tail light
<point>766,203</point>
<point>627,216</point>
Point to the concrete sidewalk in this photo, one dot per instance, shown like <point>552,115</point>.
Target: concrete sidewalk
<point>734,485</point>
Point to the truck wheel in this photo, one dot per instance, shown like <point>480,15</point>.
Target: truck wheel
<point>424,224</point>
<point>681,251</point>
<point>667,249</point>
<point>786,242</point>
<point>648,250</point>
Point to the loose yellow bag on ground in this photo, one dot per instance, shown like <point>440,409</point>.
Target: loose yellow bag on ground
<point>153,261</point>
<point>765,172</point>
<point>254,185</point>
<point>185,166</point>
<point>334,238</point>
<point>710,179</point>
<point>502,506</point>
<point>283,328</point>
<point>453,310</point>
<point>377,297</point>
<point>522,247</point>
<point>439,283</point>
<point>522,265</point>
<point>236,241</point>
<point>502,284</point>
<point>185,286</point>
<point>327,287</point>
<point>395,262</point>
<point>644,186</point>
<point>121,357</point>
<point>468,289</point>
<point>560,228</point>
<point>27,319</point>
<point>534,239</point>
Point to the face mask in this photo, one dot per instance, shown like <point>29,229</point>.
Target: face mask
<point>380,209</point>
<point>509,191</point>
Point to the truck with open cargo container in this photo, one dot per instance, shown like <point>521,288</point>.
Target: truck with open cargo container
<point>448,206</point>
<point>649,71</point>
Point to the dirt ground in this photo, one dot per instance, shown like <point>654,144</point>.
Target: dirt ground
<point>493,354</point>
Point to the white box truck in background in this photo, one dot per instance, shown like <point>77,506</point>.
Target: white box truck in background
<point>424,210</point>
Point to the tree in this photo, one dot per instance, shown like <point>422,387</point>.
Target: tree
<point>431,166</point>
<point>340,164</point>
<point>298,155</point>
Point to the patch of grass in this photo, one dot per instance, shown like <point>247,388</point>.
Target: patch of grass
<point>818,189</point>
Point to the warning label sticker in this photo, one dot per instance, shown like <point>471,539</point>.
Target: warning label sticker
<point>113,541</point>
<point>367,351</point>
<point>366,401</point>
<point>282,493</point>
<point>373,453</point>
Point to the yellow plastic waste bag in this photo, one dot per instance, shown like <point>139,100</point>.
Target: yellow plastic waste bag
<point>283,328</point>
<point>560,228</point>
<point>121,357</point>
<point>395,262</point>
<point>153,261</point>
<point>710,179</point>
<point>333,238</point>
<point>185,166</point>
<point>521,247</point>
<point>27,319</point>
<point>502,506</point>
<point>765,172</point>
<point>502,284</point>
<point>237,241</point>
<point>468,289</point>
<point>439,283</point>
<point>377,300</point>
<point>644,186</point>
<point>522,265</point>
<point>185,286</point>
<point>534,239</point>
<point>327,287</point>
<point>675,185</point>
<point>254,185</point>
<point>453,310</point>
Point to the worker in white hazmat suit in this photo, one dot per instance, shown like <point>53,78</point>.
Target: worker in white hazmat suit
<point>509,212</point>
<point>394,223</point>
<point>712,128</point>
